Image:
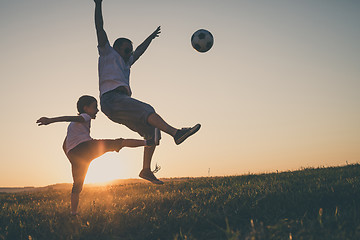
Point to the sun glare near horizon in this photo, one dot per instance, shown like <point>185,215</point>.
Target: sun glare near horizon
<point>107,168</point>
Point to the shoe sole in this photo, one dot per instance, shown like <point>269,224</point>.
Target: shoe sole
<point>158,182</point>
<point>192,131</point>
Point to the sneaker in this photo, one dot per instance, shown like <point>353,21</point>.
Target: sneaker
<point>147,174</point>
<point>182,134</point>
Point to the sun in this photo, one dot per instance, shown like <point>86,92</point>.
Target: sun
<point>106,168</point>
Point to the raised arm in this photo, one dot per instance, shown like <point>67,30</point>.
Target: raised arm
<point>145,44</point>
<point>99,24</point>
<point>47,121</point>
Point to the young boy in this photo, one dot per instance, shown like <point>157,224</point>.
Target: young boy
<point>115,92</point>
<point>80,148</point>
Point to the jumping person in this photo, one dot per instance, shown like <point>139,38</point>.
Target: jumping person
<point>115,92</point>
<point>81,149</point>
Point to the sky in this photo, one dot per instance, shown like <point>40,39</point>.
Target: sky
<point>279,90</point>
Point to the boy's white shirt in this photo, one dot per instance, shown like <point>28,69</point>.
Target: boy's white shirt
<point>113,70</point>
<point>78,132</point>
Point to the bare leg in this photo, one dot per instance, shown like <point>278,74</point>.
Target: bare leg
<point>74,202</point>
<point>156,121</point>
<point>148,153</point>
<point>79,169</point>
<point>146,172</point>
<point>132,143</point>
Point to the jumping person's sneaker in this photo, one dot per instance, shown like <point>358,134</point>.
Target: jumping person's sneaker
<point>147,174</point>
<point>182,134</point>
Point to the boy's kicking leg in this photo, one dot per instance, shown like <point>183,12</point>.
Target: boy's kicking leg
<point>82,155</point>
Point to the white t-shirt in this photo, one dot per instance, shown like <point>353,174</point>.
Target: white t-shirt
<point>78,132</point>
<point>113,70</point>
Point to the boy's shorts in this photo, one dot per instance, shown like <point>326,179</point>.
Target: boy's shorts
<point>123,109</point>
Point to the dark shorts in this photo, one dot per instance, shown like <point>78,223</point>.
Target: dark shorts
<point>123,109</point>
<point>81,156</point>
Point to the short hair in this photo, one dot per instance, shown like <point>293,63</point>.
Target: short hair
<point>118,42</point>
<point>83,101</point>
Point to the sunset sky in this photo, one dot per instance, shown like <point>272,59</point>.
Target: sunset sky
<point>279,90</point>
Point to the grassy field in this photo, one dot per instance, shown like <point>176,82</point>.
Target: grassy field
<point>321,203</point>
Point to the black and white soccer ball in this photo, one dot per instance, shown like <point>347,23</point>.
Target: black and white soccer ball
<point>202,40</point>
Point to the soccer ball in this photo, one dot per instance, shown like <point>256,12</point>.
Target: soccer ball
<point>202,40</point>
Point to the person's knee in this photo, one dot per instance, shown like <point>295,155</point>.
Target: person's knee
<point>151,117</point>
<point>77,188</point>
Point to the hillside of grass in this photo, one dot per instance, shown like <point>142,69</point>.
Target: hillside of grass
<point>321,203</point>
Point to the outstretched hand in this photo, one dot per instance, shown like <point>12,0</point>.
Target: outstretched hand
<point>156,33</point>
<point>43,121</point>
